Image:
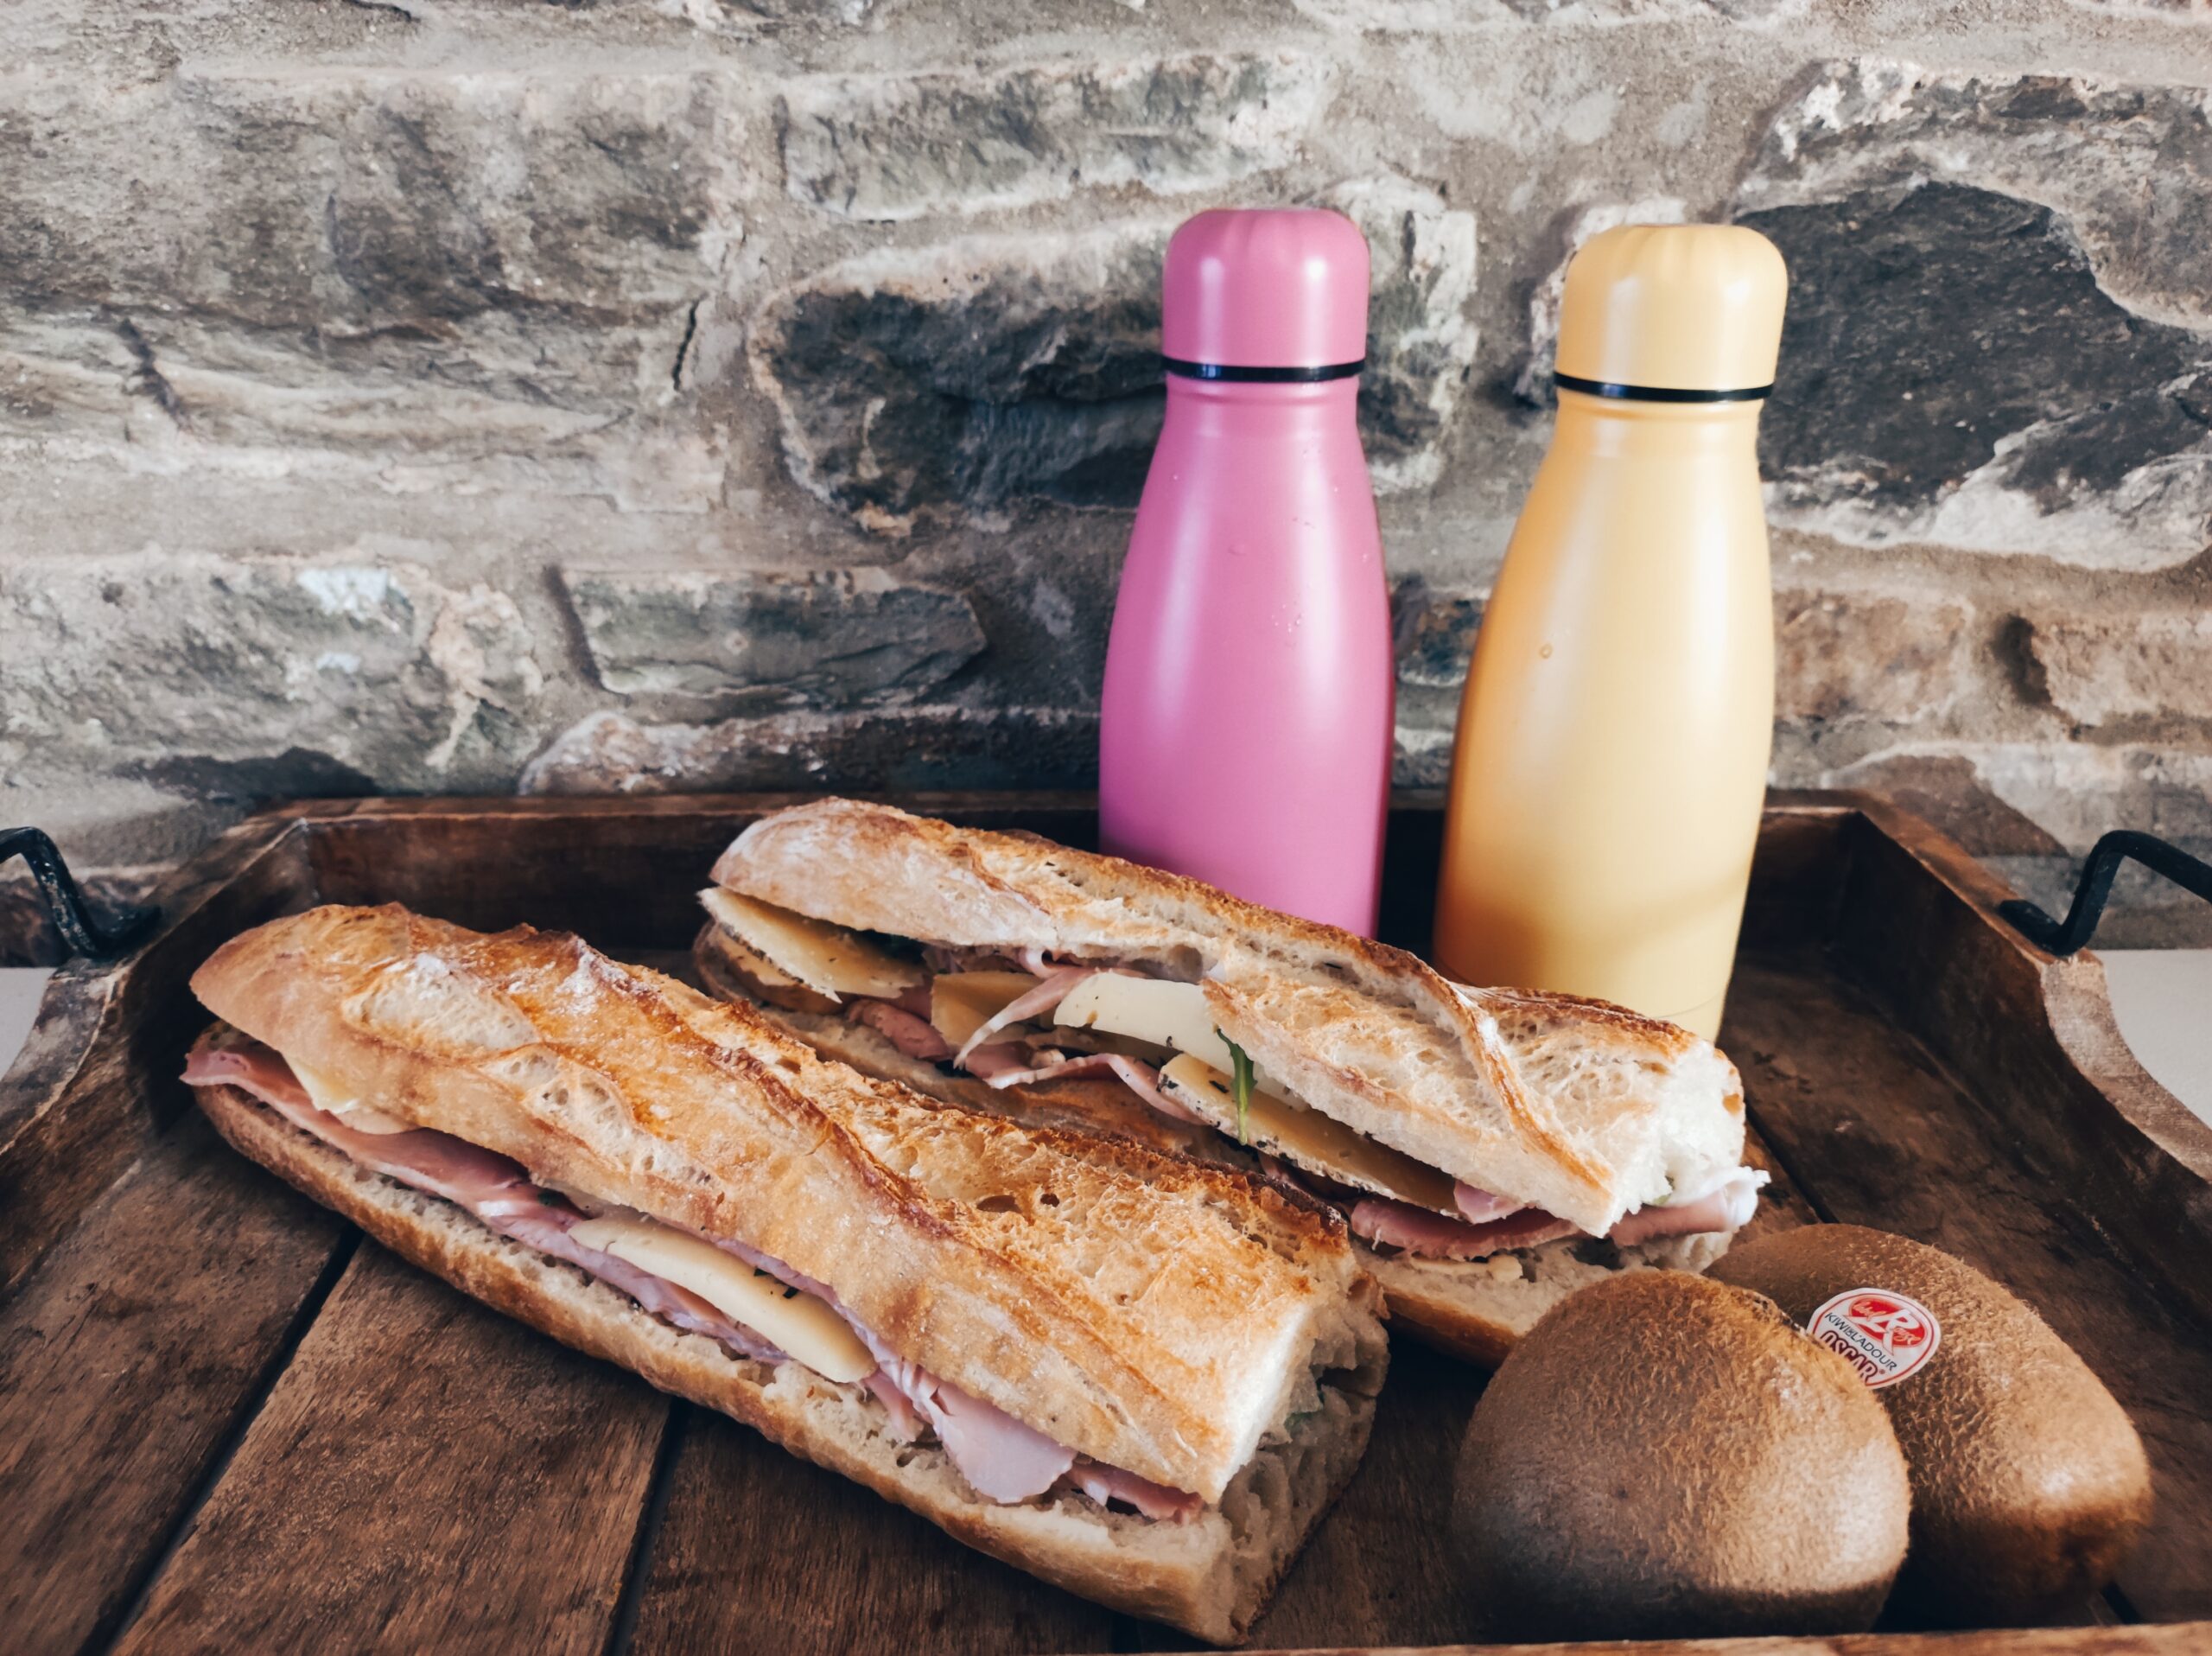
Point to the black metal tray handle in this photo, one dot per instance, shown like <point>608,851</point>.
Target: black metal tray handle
<point>2064,938</point>
<point>82,931</point>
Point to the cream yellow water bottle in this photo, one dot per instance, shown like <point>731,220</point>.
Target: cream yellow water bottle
<point>1619,716</point>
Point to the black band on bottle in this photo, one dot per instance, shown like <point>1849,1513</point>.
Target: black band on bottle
<point>1656,393</point>
<point>1262,376</point>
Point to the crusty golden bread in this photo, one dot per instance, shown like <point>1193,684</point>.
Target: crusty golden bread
<point>1210,1575</point>
<point>1478,1309</point>
<point>1586,1110</point>
<point>1475,1310</point>
<point>1148,1311</point>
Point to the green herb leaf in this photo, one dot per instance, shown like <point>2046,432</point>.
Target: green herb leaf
<point>1241,1086</point>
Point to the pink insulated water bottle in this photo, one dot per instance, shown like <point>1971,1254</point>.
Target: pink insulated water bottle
<point>1245,737</point>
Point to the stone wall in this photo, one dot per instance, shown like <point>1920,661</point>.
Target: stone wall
<point>466,395</point>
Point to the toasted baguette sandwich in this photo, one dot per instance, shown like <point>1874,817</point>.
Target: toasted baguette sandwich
<point>1135,1375</point>
<point>1492,1150</point>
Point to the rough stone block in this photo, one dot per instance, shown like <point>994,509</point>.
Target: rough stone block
<point>2074,791</point>
<point>2100,669</point>
<point>949,380</point>
<point>1434,631</point>
<point>362,267</point>
<point>890,147</point>
<point>835,638</point>
<point>1867,656</point>
<point>946,379</point>
<point>1998,336</point>
<point>233,678</point>
<point>1421,755</point>
<point>1421,337</point>
<point>1448,17</point>
<point>905,748</point>
<point>360,199</point>
<point>1947,790</point>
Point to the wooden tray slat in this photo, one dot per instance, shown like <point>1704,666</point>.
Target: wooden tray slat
<point>2193,1640</point>
<point>124,1365</point>
<point>1921,928</point>
<point>725,1574</point>
<point>427,1475</point>
<point>1347,1589</point>
<point>102,1063</point>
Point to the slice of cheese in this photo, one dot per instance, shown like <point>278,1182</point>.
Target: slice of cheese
<point>1321,1144</point>
<point>790,1319</point>
<point>1166,1014</point>
<point>961,1003</point>
<point>328,1096</point>
<point>750,961</point>
<point>826,958</point>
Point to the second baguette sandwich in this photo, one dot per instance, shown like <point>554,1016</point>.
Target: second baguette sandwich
<point>1140,1378</point>
<point>1493,1150</point>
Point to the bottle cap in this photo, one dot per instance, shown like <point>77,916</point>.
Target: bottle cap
<point>1272,293</point>
<point>1694,310</point>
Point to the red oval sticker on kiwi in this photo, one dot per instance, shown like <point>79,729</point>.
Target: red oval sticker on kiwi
<point>1885,1335</point>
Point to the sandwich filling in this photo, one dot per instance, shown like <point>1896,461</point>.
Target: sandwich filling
<point>755,1307</point>
<point>1023,1019</point>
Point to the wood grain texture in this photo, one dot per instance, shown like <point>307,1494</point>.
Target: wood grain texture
<point>1882,1136</point>
<point>2191,1639</point>
<point>1352,1585</point>
<point>427,1475</point>
<point>1783,1205</point>
<point>1922,930</point>
<point>125,1360</point>
<point>758,1551</point>
<point>98,1079</point>
<point>1799,869</point>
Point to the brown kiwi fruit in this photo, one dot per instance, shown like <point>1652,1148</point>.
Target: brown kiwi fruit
<point>2029,1482</point>
<point>1662,1455</point>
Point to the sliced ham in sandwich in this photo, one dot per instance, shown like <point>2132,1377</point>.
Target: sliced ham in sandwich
<point>1141,1377</point>
<point>1491,1148</point>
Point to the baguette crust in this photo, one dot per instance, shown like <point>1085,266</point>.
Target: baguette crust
<point>1150,1312</point>
<point>1584,1109</point>
<point>1475,1310</point>
<point>1478,1309</point>
<point>1210,1575</point>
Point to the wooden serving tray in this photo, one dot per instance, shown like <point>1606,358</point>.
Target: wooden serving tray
<point>224,1424</point>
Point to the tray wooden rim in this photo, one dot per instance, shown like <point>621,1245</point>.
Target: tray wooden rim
<point>2071,999</point>
<point>80,1046</point>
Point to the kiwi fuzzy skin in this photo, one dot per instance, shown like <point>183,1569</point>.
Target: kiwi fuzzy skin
<point>1664,1457</point>
<point>2029,1480</point>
